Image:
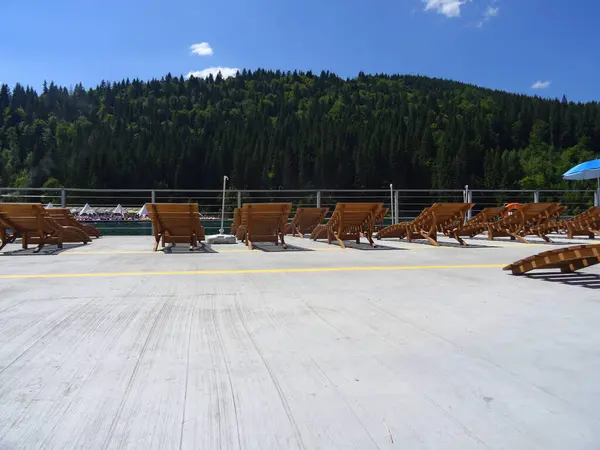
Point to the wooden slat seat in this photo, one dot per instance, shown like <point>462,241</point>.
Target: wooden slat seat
<point>263,222</point>
<point>64,217</point>
<point>567,259</point>
<point>528,220</point>
<point>35,226</point>
<point>237,220</point>
<point>305,221</point>
<point>348,221</point>
<point>447,218</point>
<point>585,224</point>
<point>176,223</point>
<point>479,223</point>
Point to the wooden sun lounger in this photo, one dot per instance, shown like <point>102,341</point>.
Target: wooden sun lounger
<point>567,259</point>
<point>35,226</point>
<point>447,218</point>
<point>263,222</point>
<point>585,224</point>
<point>237,220</point>
<point>305,221</point>
<point>176,223</point>
<point>347,222</point>
<point>479,223</point>
<point>64,217</point>
<point>529,220</point>
<point>6,237</point>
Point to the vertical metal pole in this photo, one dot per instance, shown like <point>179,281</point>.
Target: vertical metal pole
<point>392,201</point>
<point>153,196</point>
<point>318,199</point>
<point>239,199</point>
<point>597,195</point>
<point>397,208</point>
<point>470,200</point>
<point>63,198</point>
<point>536,197</point>
<point>222,229</point>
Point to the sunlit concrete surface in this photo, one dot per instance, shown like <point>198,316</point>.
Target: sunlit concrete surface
<point>111,346</point>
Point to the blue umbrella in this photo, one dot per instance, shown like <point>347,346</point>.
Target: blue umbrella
<point>586,171</point>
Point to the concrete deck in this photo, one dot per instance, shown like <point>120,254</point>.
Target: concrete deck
<point>110,346</point>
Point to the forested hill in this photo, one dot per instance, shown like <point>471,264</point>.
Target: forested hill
<point>290,130</point>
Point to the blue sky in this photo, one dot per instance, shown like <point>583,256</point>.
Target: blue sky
<point>501,44</point>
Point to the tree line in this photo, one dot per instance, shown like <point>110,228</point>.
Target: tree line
<point>291,130</point>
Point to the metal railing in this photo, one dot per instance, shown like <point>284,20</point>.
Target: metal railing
<point>403,204</point>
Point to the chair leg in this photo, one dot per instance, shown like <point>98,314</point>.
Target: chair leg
<point>283,244</point>
<point>24,241</point>
<point>156,242</point>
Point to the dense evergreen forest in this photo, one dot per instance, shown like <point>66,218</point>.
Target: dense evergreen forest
<point>276,130</point>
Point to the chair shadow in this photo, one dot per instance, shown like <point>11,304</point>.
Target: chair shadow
<point>580,279</point>
<point>48,250</point>
<point>366,246</point>
<point>272,248</point>
<point>185,250</point>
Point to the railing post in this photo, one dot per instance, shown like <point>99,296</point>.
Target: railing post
<point>153,196</point>
<point>597,198</point>
<point>536,197</point>
<point>239,199</point>
<point>469,200</point>
<point>318,199</point>
<point>396,207</point>
<point>63,198</point>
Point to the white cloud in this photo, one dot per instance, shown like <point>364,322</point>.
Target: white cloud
<point>491,11</point>
<point>541,84</point>
<point>226,72</point>
<point>201,49</point>
<point>449,8</point>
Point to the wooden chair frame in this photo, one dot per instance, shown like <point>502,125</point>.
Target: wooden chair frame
<point>348,221</point>
<point>305,221</point>
<point>263,222</point>
<point>567,259</point>
<point>64,217</point>
<point>175,223</point>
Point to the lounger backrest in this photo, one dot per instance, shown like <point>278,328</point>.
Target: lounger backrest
<point>265,215</point>
<point>309,217</point>
<point>27,217</point>
<point>177,219</point>
<point>530,213</point>
<point>488,215</point>
<point>443,213</point>
<point>353,215</point>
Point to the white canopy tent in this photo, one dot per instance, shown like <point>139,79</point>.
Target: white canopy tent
<point>87,209</point>
<point>49,205</point>
<point>119,210</point>
<point>143,212</point>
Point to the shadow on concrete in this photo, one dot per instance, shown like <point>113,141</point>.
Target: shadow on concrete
<point>580,279</point>
<point>272,248</point>
<point>48,250</point>
<point>366,246</point>
<point>184,249</point>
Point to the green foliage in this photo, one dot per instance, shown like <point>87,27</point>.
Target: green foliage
<point>289,130</point>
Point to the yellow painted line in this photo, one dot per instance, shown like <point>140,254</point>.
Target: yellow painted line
<point>250,271</point>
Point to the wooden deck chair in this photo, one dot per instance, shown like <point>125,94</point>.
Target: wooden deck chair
<point>35,226</point>
<point>567,259</point>
<point>399,230</point>
<point>237,220</point>
<point>305,221</point>
<point>263,222</point>
<point>447,218</point>
<point>380,216</point>
<point>479,223</point>
<point>585,224</point>
<point>176,223</point>
<point>64,217</point>
<point>7,235</point>
<point>525,221</point>
<point>347,222</point>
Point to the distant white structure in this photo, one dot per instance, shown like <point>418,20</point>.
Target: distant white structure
<point>143,212</point>
<point>119,210</point>
<point>87,209</point>
<point>49,205</point>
